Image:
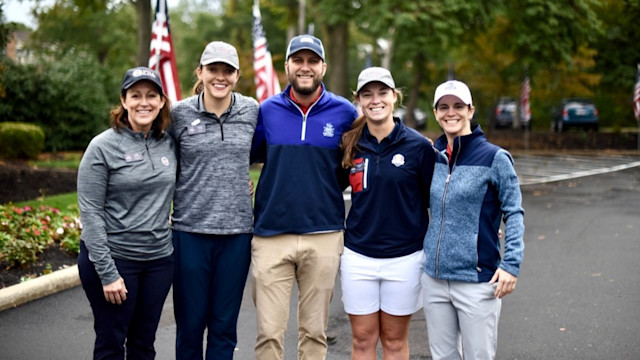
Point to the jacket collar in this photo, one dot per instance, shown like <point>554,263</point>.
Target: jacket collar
<point>321,99</point>
<point>370,142</point>
<point>461,143</point>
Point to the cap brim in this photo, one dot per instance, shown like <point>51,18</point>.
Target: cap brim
<point>215,60</point>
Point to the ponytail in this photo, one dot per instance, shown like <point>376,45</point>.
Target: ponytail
<point>349,143</point>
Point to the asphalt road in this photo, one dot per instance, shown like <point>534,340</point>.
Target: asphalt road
<point>578,295</point>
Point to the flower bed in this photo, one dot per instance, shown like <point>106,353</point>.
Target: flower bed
<point>36,241</point>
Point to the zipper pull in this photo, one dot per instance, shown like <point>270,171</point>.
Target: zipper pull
<point>448,177</point>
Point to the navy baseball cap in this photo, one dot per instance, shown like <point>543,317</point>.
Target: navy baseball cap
<point>305,42</point>
<point>136,74</point>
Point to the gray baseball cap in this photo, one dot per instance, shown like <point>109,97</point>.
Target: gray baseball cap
<point>372,74</point>
<point>140,73</point>
<point>218,51</point>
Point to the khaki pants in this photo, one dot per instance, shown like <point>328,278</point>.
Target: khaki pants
<point>277,261</point>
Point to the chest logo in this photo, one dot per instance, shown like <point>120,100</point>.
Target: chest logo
<point>328,130</point>
<point>133,157</point>
<point>165,161</point>
<point>397,160</point>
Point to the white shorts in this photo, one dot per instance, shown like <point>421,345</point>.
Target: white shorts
<point>371,284</point>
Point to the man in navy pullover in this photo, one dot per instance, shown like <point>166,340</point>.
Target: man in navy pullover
<point>299,209</point>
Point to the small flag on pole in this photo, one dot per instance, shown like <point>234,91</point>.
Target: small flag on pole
<point>266,79</point>
<point>525,109</point>
<point>636,97</point>
<point>162,56</point>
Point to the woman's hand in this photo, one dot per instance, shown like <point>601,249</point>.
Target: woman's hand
<point>506,283</point>
<point>116,292</point>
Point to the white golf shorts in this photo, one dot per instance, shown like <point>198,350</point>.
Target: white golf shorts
<point>372,284</point>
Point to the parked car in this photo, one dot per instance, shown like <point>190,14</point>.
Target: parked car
<point>504,113</point>
<point>574,113</point>
<point>419,116</point>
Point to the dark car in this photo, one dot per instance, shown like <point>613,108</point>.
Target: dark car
<point>574,113</point>
<point>504,113</point>
<point>419,116</point>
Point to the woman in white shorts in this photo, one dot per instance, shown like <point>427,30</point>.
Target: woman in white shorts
<point>390,174</point>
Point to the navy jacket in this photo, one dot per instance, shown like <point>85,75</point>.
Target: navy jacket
<point>470,196</point>
<point>300,189</point>
<point>390,184</point>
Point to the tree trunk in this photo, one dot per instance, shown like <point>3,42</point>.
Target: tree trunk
<point>143,12</point>
<point>414,93</point>
<point>336,48</point>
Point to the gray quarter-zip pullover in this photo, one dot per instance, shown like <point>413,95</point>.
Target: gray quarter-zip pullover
<point>212,190</point>
<point>125,187</point>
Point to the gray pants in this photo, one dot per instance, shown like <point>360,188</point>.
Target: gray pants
<point>462,319</point>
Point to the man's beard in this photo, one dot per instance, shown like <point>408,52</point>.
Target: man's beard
<point>304,90</point>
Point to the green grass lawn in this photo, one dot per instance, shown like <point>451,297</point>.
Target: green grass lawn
<point>66,201</point>
<point>62,160</point>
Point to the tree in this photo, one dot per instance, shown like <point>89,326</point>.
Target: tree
<point>143,14</point>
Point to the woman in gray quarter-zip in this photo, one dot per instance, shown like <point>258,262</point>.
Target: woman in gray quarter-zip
<point>212,215</point>
<point>126,182</point>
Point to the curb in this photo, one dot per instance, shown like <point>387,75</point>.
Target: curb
<point>16,295</point>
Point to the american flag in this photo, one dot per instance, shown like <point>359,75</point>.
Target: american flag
<point>267,83</point>
<point>525,109</point>
<point>636,97</point>
<point>162,56</point>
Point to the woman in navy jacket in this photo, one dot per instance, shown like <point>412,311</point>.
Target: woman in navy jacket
<point>474,188</point>
<point>390,174</point>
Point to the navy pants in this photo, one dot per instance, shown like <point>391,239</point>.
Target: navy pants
<point>133,323</point>
<point>209,279</point>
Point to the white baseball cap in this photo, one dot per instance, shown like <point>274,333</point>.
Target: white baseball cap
<point>455,88</point>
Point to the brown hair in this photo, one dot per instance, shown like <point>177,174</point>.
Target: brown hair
<point>120,118</point>
<point>349,142</point>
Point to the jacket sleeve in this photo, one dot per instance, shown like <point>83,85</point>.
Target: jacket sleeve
<point>259,143</point>
<point>93,176</point>
<point>506,181</point>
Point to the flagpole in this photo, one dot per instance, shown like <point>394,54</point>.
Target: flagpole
<point>635,104</point>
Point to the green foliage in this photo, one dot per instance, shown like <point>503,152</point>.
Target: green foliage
<point>581,46</point>
<point>20,140</point>
<point>71,103</point>
<point>26,231</point>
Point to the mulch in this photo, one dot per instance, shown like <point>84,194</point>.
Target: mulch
<point>52,259</point>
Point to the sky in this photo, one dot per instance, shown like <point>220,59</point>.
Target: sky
<point>20,11</point>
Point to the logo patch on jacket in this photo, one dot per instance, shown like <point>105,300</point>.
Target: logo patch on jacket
<point>328,130</point>
<point>398,160</point>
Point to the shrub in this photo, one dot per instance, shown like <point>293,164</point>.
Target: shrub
<point>25,232</point>
<point>66,98</point>
<point>20,140</point>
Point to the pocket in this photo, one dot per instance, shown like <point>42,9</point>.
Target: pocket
<point>358,175</point>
